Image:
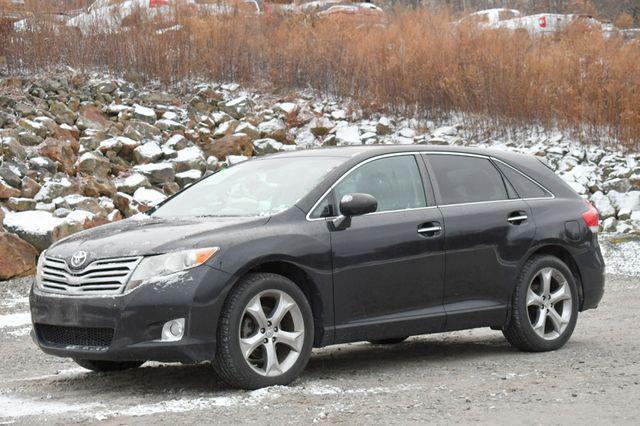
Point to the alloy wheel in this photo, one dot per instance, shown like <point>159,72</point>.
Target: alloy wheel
<point>549,303</point>
<point>271,333</point>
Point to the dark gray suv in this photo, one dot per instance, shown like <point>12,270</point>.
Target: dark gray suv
<point>253,266</point>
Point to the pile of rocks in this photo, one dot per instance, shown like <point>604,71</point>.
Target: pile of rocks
<point>83,150</point>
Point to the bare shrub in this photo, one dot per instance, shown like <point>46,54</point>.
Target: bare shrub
<point>419,63</point>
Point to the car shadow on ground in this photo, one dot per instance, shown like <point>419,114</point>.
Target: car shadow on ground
<point>331,362</point>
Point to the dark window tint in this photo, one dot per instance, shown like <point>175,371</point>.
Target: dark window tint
<point>525,187</point>
<point>463,179</point>
<point>394,181</point>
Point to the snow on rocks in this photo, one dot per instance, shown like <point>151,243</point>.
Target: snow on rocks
<point>91,148</point>
<point>186,178</point>
<point>130,183</point>
<point>348,135</point>
<point>148,197</point>
<point>147,153</point>
<point>144,114</point>
<point>38,228</point>
<point>157,173</point>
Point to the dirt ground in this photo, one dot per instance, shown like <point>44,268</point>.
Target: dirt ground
<point>470,376</point>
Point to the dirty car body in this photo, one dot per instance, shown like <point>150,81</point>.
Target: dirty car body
<point>441,266</point>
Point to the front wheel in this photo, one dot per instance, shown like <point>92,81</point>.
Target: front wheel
<point>265,333</point>
<point>107,366</point>
<point>544,308</point>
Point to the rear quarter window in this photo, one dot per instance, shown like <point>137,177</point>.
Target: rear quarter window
<point>524,186</point>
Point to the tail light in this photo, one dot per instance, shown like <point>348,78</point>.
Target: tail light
<point>591,218</point>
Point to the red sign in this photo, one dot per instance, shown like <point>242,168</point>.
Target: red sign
<point>158,3</point>
<point>543,22</point>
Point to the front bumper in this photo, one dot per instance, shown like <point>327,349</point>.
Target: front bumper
<point>136,319</point>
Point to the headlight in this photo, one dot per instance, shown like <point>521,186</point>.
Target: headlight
<point>165,264</point>
<point>39,269</point>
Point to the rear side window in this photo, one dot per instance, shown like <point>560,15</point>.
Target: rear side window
<point>525,187</point>
<point>463,179</point>
<point>394,181</point>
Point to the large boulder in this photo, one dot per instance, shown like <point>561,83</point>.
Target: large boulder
<point>267,146</point>
<point>185,178</point>
<point>11,148</point>
<point>38,228</point>
<point>274,129</point>
<point>160,173</point>
<point>7,191</point>
<point>348,135</point>
<point>130,183</point>
<point>92,163</point>
<point>147,153</point>
<point>29,187</point>
<point>139,130</point>
<point>18,257</point>
<point>320,126</point>
<point>56,188</point>
<point>236,144</point>
<point>148,197</point>
<point>60,151</point>
<point>62,113</point>
<point>188,159</point>
<point>21,204</point>
<point>90,117</point>
<point>603,204</point>
<point>238,107</point>
<point>10,175</point>
<point>144,114</point>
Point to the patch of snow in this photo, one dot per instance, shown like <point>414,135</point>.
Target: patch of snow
<point>183,405</point>
<point>15,320</point>
<point>20,332</point>
<point>13,407</point>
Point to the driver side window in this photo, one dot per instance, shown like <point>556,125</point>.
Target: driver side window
<point>394,181</point>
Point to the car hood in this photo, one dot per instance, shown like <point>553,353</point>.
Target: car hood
<point>144,235</point>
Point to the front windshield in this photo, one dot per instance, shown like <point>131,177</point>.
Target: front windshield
<point>253,188</point>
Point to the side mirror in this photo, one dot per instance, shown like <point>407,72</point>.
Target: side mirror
<point>358,204</point>
<point>353,205</point>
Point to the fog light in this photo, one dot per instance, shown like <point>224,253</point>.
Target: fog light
<point>173,330</point>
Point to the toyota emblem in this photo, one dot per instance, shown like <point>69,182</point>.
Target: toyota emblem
<point>78,259</point>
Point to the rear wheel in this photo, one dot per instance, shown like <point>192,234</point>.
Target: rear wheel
<point>107,366</point>
<point>392,341</point>
<point>544,308</point>
<point>265,333</point>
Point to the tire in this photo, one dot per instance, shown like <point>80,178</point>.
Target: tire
<point>544,319</point>
<point>392,341</point>
<point>107,366</point>
<point>248,317</point>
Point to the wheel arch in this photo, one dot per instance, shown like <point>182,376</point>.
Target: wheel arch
<point>300,278</point>
<point>562,253</point>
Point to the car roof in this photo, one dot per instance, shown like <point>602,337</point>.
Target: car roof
<point>360,152</point>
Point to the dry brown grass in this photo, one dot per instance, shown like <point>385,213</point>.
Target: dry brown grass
<point>419,63</point>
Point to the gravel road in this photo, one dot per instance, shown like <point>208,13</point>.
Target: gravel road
<point>469,376</point>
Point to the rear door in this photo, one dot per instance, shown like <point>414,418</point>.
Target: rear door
<point>388,266</point>
<point>488,230</point>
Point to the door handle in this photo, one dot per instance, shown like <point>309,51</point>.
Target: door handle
<point>516,218</point>
<point>429,229</point>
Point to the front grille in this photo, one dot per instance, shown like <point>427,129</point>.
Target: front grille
<point>103,276</point>
<point>77,337</point>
